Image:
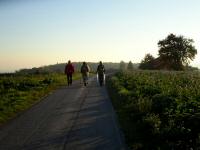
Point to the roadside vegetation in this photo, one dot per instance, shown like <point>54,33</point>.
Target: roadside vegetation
<point>18,92</point>
<point>158,109</point>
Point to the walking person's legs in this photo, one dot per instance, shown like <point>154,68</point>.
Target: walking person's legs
<point>84,79</point>
<point>68,79</point>
<point>87,77</point>
<point>100,75</point>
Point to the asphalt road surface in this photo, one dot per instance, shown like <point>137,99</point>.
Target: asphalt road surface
<point>70,118</point>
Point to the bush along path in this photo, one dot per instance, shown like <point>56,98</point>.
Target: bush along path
<point>158,110</point>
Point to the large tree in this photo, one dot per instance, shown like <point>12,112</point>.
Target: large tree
<point>177,51</point>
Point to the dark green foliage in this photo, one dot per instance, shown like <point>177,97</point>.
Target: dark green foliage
<point>176,51</point>
<point>161,102</point>
<point>158,110</point>
<point>147,62</point>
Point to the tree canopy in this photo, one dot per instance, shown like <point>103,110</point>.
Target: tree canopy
<point>177,51</point>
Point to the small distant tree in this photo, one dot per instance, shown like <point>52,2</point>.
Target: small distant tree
<point>122,65</point>
<point>130,66</point>
<point>146,63</point>
<point>177,51</point>
<point>148,58</point>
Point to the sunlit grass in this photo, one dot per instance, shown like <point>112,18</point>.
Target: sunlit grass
<point>19,92</point>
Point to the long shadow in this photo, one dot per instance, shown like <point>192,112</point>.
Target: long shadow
<point>91,130</point>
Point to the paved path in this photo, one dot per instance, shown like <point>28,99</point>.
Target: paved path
<point>71,118</point>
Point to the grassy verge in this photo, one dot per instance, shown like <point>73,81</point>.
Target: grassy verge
<point>19,92</point>
<point>158,110</point>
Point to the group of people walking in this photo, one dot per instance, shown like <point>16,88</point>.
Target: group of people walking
<point>85,69</point>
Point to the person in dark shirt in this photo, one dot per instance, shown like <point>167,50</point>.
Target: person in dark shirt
<point>101,73</point>
<point>69,70</point>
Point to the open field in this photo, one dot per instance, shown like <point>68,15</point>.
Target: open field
<point>158,110</point>
<point>19,92</point>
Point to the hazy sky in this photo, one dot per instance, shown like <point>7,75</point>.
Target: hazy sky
<point>41,32</point>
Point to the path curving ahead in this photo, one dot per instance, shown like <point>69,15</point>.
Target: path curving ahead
<point>71,118</point>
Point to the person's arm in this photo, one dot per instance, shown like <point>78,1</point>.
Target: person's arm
<point>88,68</point>
<point>97,69</point>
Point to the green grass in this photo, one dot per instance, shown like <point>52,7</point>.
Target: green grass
<point>158,109</point>
<point>19,92</point>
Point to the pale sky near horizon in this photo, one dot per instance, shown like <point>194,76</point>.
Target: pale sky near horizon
<point>35,33</point>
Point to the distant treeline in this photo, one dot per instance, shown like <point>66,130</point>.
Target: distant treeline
<point>6,74</point>
<point>59,68</point>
